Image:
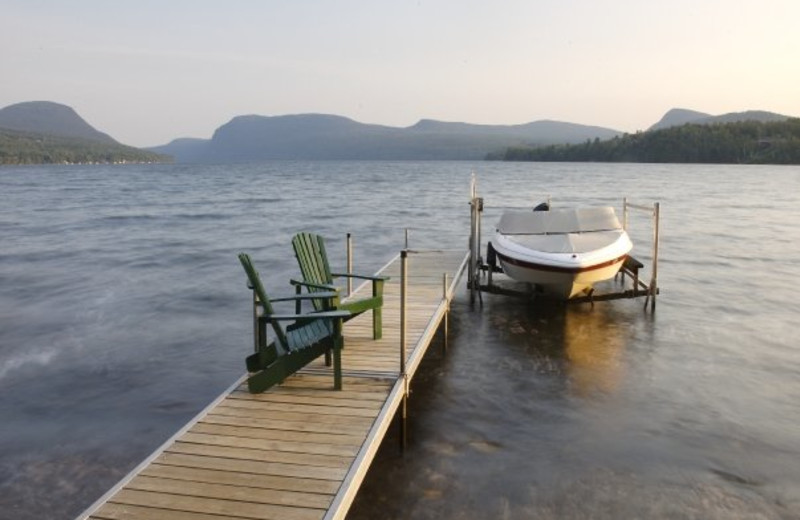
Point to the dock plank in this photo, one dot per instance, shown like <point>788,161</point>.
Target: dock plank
<point>314,400</point>
<point>200,504</point>
<point>113,511</point>
<point>248,480</point>
<point>278,435</point>
<point>232,441</point>
<point>287,422</point>
<point>221,491</point>
<point>249,466</point>
<point>289,413</point>
<point>322,409</point>
<point>323,462</point>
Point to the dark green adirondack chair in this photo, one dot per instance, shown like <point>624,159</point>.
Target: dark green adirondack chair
<point>310,336</point>
<point>309,249</point>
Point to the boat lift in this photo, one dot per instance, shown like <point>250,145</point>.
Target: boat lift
<point>480,272</point>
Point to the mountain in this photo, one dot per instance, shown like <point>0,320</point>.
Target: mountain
<point>678,117</point>
<point>185,149</point>
<point>681,116</point>
<point>46,117</point>
<point>324,136</point>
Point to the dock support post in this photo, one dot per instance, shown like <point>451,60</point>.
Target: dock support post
<point>654,278</point>
<point>349,264</point>
<point>470,270</point>
<point>446,312</point>
<point>476,278</point>
<point>403,323</point>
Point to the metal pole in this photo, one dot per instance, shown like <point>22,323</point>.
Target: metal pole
<point>654,279</point>
<point>473,195</point>
<point>471,270</point>
<point>625,213</point>
<point>478,259</point>
<point>349,264</point>
<point>478,225</point>
<point>621,272</point>
<point>406,242</point>
<point>403,300</point>
<point>446,312</point>
<point>474,244</point>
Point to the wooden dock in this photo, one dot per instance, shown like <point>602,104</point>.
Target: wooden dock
<point>300,450</point>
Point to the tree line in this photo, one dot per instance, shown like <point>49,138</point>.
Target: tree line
<point>744,142</point>
<point>32,148</point>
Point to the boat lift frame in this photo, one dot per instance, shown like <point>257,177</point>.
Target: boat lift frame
<point>478,269</point>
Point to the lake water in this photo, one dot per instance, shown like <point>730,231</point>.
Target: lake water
<point>123,312</point>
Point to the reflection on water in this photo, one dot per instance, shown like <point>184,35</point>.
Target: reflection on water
<point>589,341</point>
<point>593,344</point>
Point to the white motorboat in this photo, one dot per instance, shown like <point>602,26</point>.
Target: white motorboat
<point>562,251</point>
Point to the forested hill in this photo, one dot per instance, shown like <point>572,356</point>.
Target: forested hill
<point>36,148</point>
<point>743,142</point>
<point>43,132</point>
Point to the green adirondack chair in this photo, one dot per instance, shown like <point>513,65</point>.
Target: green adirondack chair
<point>309,249</point>
<point>310,336</point>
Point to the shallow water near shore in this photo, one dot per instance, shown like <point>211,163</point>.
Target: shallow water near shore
<point>123,312</point>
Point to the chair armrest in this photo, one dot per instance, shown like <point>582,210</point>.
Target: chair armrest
<point>361,276</point>
<point>307,296</point>
<point>323,287</point>
<point>326,315</point>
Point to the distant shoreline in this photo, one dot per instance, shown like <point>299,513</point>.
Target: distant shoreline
<point>741,142</point>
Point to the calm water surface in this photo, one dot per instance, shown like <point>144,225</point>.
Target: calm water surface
<point>123,312</point>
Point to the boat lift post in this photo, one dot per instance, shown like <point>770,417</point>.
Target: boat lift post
<point>475,260</point>
<point>655,212</point>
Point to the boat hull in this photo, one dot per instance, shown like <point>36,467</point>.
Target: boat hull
<point>562,283</point>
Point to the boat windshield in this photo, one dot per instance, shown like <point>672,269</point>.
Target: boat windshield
<point>558,221</point>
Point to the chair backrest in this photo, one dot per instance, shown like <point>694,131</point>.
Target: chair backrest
<point>258,287</point>
<point>309,248</point>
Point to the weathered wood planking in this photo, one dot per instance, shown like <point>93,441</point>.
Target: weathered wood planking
<point>300,450</point>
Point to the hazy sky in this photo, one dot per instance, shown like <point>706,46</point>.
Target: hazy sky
<point>149,71</point>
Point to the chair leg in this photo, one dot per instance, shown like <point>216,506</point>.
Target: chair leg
<point>337,344</point>
<point>337,368</point>
<point>327,358</point>
<point>377,312</point>
<point>377,323</point>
